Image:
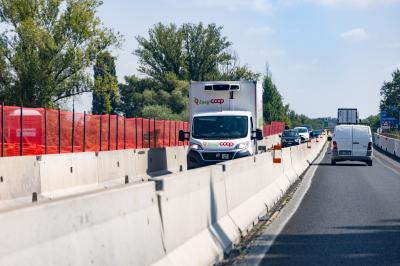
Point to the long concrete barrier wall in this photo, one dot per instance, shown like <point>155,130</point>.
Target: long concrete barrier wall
<point>48,175</point>
<point>60,174</point>
<point>185,218</point>
<point>116,227</point>
<point>389,145</point>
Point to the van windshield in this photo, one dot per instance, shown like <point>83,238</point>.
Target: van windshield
<point>220,127</point>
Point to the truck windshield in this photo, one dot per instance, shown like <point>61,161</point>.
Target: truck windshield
<point>220,127</point>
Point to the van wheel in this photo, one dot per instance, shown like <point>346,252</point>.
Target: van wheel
<point>369,163</point>
<point>333,162</point>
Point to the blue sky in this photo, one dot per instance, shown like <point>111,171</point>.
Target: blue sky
<point>323,54</point>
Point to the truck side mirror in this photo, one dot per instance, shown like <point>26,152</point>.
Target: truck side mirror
<point>259,134</point>
<point>182,135</point>
<point>329,138</point>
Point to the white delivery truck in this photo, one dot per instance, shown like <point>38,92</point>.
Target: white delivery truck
<point>347,116</point>
<point>225,119</point>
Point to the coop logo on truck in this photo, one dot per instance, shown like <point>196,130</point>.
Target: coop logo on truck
<point>217,145</point>
<point>207,102</point>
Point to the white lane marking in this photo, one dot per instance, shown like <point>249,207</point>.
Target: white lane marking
<point>387,162</point>
<point>257,254</point>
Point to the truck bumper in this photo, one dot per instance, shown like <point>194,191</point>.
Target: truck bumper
<point>196,159</point>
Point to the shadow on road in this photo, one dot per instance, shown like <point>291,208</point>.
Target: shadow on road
<point>340,164</point>
<point>353,245</point>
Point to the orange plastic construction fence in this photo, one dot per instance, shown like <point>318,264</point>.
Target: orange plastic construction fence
<point>37,131</point>
<point>274,128</point>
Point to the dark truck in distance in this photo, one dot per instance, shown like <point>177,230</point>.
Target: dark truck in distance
<point>290,137</point>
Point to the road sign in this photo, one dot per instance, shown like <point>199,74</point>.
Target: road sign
<point>326,123</point>
<point>387,121</point>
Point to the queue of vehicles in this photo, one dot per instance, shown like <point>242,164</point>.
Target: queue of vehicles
<point>299,135</point>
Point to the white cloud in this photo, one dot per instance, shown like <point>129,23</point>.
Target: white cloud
<point>358,34</point>
<point>261,30</point>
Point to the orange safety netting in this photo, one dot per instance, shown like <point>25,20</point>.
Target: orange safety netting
<point>36,131</point>
<point>274,128</point>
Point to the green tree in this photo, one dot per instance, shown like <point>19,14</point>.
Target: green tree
<point>190,52</point>
<point>274,109</point>
<point>159,112</point>
<point>373,121</point>
<point>205,49</point>
<point>162,52</point>
<point>390,93</point>
<point>147,97</point>
<point>48,47</point>
<point>106,94</point>
<point>132,94</point>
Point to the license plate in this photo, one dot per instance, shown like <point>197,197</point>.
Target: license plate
<point>344,152</point>
<point>225,156</point>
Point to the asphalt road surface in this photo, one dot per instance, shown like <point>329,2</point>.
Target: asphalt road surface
<point>349,216</point>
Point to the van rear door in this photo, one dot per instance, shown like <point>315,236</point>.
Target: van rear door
<point>344,140</point>
<point>361,138</point>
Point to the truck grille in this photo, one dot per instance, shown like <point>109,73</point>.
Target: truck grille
<point>218,156</point>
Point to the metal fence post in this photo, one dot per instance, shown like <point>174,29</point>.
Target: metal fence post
<point>45,130</point>
<point>73,129</point>
<point>155,134</point>
<point>176,140</point>
<point>142,133</point>
<point>109,131</point>
<point>136,136</point>
<point>116,133</point>
<point>101,130</point>
<point>124,133</point>
<point>21,131</point>
<point>149,133</point>
<point>169,135</point>
<point>84,132</point>
<point>2,130</point>
<point>59,130</point>
<point>163,135</point>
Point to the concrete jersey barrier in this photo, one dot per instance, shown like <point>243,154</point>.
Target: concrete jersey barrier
<point>116,227</point>
<point>388,144</point>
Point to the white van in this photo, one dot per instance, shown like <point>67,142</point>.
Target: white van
<point>352,143</point>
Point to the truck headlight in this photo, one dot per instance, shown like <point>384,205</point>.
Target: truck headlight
<point>242,146</point>
<point>194,146</point>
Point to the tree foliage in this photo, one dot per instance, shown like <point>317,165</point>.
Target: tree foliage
<point>390,93</point>
<point>190,52</point>
<point>106,93</point>
<point>373,121</point>
<point>47,48</point>
<point>148,98</point>
<point>274,109</point>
